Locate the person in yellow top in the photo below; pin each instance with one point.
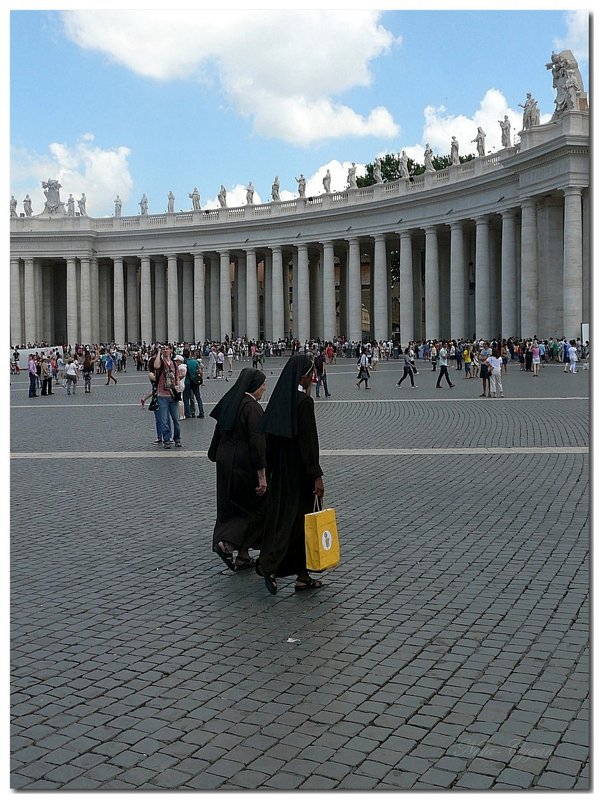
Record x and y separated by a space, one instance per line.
467 360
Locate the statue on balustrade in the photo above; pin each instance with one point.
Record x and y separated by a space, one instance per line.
143 205
250 194
222 197
27 206
377 171
327 182
195 195
53 203
301 181
566 80
118 206
454 151
81 203
428 159
531 112
170 203
352 177
71 206
403 165
505 128
480 142
275 190
13 206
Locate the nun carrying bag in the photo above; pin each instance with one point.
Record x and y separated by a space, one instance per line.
321 539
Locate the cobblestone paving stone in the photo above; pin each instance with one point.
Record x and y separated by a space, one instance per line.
449 650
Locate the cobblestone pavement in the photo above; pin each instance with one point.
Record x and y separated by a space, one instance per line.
448 650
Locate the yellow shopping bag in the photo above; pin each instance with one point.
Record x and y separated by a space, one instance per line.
321 539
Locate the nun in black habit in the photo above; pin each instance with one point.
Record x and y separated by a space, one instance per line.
293 474
239 450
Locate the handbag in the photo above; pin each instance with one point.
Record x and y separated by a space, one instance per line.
321 539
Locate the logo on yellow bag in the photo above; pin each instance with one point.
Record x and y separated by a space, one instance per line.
326 540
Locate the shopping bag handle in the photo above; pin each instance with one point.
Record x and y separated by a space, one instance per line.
318 505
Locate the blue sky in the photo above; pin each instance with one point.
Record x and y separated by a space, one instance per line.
136 102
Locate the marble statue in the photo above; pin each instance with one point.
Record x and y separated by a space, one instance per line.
531 112
275 190
403 165
53 203
170 203
352 177
13 206
195 195
377 171
454 151
428 159
301 181
71 206
27 206
505 128
118 206
250 194
222 197
566 80
480 142
143 205
81 203
327 182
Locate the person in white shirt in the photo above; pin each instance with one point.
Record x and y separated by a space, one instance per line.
494 365
443 362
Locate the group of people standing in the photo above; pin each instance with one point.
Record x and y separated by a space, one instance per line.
268 473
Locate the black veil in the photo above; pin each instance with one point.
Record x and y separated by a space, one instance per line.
280 417
226 410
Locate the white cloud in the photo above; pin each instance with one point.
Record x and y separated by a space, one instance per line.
282 69
577 37
82 167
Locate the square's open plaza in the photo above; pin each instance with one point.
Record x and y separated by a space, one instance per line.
449 649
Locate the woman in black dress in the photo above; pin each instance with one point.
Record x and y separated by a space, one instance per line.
294 475
238 448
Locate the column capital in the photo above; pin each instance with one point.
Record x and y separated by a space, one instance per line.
572 190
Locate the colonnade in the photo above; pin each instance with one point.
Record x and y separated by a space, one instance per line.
518 271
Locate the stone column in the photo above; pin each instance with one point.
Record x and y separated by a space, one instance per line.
342 329
406 290
172 299
29 302
432 285
303 311
242 290
458 304
380 290
482 279
146 300
277 293
199 298
72 303
95 293
16 317
187 280
529 269
160 300
573 263
39 293
252 322
268 296
215 302
328 292
48 303
225 294
295 294
509 274
86 302
133 312
105 306
285 293
118 300
354 291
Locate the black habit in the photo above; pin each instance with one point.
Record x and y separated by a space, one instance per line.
292 467
239 454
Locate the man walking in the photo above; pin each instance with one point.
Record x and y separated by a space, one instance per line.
443 364
321 372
